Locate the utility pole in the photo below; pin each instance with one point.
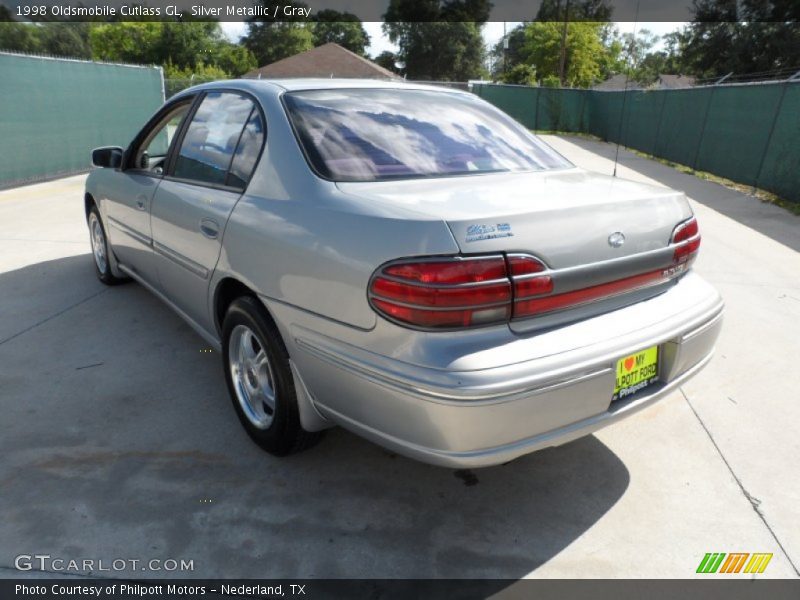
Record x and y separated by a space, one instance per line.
505 47
562 64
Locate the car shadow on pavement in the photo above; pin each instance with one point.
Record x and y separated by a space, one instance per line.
118 441
770 220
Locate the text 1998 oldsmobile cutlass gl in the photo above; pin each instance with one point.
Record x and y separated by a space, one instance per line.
406 262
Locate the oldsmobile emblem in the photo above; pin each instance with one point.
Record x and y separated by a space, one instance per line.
616 239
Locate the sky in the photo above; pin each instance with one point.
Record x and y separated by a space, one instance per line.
492 32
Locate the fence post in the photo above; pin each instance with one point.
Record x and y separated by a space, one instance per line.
660 120
536 112
584 93
703 128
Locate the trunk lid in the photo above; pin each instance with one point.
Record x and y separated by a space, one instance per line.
587 228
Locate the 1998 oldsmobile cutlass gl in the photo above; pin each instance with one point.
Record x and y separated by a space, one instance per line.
404 261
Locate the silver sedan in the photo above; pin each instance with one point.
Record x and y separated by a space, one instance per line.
404 261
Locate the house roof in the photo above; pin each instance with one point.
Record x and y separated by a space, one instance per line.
328 60
617 82
672 82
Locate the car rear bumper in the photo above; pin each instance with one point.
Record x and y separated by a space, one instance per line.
483 417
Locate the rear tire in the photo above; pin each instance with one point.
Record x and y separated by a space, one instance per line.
100 249
260 381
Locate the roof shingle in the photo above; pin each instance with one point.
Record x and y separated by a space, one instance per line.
328 60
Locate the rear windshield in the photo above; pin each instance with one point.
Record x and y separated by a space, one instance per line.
377 134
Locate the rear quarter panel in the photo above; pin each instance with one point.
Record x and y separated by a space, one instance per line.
297 239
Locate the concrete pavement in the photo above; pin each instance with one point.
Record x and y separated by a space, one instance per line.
117 439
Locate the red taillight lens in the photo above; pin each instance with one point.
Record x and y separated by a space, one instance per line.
450 271
457 292
687 238
534 306
527 283
519 265
440 296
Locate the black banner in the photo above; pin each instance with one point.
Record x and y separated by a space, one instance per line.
376 10
80 588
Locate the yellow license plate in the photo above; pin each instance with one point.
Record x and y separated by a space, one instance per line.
636 372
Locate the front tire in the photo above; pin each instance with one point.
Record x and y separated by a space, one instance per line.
260 381
100 249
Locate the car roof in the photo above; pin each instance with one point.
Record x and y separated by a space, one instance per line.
277 86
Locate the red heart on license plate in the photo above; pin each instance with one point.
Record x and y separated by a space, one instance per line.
628 363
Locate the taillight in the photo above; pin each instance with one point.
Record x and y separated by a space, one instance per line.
444 293
463 292
687 239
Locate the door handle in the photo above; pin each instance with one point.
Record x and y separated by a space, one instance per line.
209 228
141 202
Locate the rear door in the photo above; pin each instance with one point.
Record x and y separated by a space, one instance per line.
208 173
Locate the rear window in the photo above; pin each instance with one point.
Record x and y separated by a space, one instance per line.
378 134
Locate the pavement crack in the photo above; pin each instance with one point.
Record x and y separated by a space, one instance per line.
51 317
755 503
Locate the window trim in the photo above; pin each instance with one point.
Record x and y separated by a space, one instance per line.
172 158
133 147
315 171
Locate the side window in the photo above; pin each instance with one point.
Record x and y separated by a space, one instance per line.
211 139
244 160
152 152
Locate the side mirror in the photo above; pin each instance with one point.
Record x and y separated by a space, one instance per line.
107 156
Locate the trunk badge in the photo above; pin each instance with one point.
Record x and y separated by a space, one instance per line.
484 231
616 239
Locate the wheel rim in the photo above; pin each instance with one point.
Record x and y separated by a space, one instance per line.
252 376
98 243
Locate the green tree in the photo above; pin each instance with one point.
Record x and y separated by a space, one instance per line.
69 39
442 51
127 41
19 37
388 60
438 40
199 73
342 28
586 55
636 47
234 59
182 47
520 74
574 10
515 54
273 41
188 43
751 36
611 61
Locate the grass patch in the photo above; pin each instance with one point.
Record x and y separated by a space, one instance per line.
760 194
578 134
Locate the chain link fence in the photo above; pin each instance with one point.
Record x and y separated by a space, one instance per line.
173 86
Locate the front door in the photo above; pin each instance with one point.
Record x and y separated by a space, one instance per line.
131 193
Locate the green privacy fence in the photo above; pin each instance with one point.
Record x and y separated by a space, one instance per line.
746 133
54 111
